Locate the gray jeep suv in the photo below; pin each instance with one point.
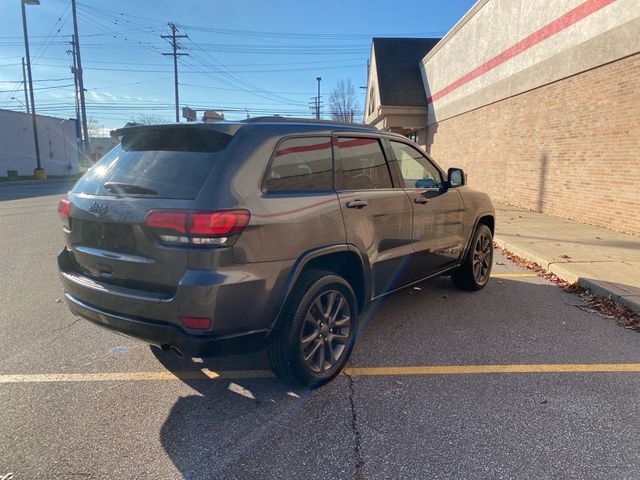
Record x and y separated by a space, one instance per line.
227 237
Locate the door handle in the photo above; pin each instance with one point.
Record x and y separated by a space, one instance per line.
420 199
356 204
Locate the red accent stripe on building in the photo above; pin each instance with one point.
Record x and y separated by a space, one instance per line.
355 142
304 148
352 142
572 16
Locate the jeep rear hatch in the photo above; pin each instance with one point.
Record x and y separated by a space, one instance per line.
110 213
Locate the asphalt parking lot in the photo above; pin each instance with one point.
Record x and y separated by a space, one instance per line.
514 381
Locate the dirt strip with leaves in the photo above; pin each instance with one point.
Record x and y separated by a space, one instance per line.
604 307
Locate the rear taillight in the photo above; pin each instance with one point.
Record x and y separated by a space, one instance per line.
63 211
197 228
196 323
63 208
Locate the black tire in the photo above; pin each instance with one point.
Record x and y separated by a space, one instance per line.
474 273
290 342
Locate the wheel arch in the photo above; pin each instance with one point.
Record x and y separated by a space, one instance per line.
485 218
488 220
345 260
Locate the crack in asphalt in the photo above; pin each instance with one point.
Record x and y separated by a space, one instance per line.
357 443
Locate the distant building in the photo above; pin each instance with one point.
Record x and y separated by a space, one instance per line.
537 101
210 116
59 153
98 146
396 98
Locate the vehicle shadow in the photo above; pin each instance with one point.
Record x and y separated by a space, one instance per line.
212 428
213 432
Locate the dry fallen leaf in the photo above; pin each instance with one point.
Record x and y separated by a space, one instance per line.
235 388
601 306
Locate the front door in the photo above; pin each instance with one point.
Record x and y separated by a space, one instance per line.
438 212
377 216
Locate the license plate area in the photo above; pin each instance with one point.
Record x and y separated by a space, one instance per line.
117 237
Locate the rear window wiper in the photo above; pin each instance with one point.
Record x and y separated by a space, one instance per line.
119 187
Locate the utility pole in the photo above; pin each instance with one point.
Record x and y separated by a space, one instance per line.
175 55
83 110
318 97
315 103
33 105
74 70
24 83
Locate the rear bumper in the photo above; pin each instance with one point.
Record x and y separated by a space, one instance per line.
242 303
163 335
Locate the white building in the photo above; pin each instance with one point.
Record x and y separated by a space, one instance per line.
59 152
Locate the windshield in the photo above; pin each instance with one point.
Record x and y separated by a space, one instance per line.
167 163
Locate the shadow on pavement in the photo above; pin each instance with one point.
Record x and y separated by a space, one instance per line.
207 433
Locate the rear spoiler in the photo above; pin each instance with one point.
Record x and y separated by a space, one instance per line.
230 128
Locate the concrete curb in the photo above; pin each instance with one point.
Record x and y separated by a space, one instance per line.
37 182
563 271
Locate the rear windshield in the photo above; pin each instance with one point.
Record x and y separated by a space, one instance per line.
164 163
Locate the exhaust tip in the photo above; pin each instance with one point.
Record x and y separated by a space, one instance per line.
176 351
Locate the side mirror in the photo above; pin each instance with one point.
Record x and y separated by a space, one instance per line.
456 177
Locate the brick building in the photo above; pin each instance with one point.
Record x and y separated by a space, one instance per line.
538 100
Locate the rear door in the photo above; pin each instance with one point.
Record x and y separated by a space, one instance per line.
151 169
377 216
438 213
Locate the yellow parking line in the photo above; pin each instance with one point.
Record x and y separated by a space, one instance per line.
478 369
507 275
206 374
133 376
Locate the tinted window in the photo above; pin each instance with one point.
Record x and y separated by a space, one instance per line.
301 164
417 171
363 164
174 163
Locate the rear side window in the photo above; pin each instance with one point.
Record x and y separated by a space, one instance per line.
363 164
164 162
301 164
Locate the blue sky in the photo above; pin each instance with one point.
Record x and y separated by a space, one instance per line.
260 57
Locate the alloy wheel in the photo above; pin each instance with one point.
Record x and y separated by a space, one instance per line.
326 331
482 258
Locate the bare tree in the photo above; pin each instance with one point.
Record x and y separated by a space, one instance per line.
95 128
343 102
149 119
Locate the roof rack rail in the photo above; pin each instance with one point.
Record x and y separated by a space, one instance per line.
305 120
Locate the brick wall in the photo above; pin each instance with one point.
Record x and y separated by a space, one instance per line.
570 148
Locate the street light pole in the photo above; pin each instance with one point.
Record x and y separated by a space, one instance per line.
318 98
33 105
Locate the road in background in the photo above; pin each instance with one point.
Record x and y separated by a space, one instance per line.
583 424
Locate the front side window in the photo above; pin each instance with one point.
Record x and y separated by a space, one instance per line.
301 164
417 171
363 164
